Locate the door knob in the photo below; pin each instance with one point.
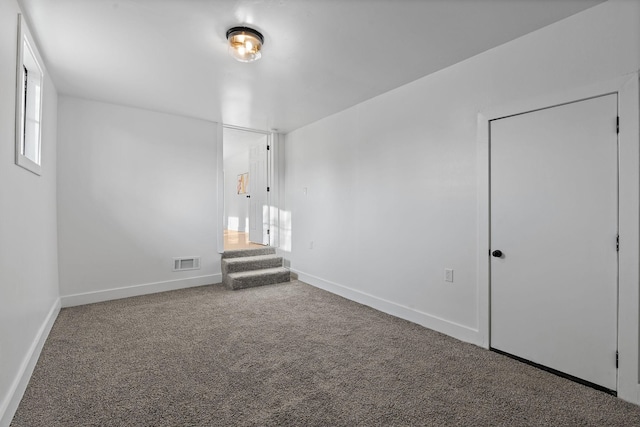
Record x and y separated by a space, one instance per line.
248 197
497 253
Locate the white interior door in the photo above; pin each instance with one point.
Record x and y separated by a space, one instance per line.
554 217
258 203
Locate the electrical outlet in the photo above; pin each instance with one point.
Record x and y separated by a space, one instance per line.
448 275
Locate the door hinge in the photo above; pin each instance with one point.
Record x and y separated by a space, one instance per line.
618 124
617 357
618 243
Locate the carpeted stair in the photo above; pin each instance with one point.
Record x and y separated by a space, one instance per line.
248 268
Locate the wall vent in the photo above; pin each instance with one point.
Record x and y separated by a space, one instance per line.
188 263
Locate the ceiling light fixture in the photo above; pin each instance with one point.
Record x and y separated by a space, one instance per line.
245 43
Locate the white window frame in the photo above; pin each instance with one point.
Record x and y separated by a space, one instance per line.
27 51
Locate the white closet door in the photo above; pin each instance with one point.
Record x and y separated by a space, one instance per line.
554 217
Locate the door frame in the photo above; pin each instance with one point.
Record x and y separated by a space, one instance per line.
274 182
627 88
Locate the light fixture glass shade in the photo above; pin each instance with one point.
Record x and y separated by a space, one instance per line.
245 43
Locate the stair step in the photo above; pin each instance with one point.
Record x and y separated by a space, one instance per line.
259 262
267 250
250 279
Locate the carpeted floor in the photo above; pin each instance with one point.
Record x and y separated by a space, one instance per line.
285 355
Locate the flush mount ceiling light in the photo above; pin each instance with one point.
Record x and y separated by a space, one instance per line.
245 43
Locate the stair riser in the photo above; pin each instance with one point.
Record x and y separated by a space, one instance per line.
248 252
250 282
250 265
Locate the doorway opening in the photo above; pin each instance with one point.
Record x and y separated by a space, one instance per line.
246 188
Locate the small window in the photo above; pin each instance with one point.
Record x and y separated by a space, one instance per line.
30 78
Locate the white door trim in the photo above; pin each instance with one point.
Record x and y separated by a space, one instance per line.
627 88
220 188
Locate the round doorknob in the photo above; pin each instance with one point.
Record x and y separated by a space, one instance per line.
497 253
248 197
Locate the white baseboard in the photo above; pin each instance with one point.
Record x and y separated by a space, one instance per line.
461 332
137 290
9 407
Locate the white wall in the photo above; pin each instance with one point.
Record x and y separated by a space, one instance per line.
28 247
236 206
135 189
392 183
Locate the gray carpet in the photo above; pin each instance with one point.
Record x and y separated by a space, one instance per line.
285 355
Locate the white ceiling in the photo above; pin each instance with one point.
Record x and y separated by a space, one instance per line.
237 141
319 56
